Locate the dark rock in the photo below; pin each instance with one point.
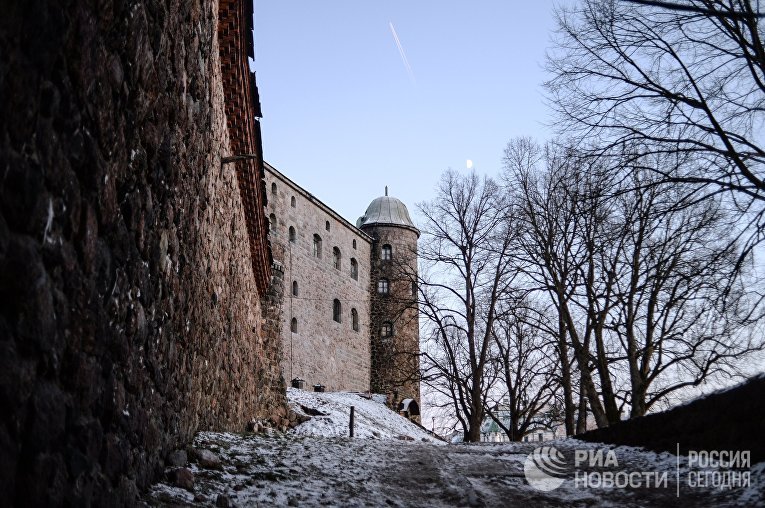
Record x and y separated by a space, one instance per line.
182 477
207 459
177 458
311 411
222 501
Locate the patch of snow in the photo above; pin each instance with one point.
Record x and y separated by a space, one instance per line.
373 420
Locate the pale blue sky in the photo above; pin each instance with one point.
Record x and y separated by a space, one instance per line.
343 117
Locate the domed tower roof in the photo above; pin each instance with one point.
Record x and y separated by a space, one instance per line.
387 211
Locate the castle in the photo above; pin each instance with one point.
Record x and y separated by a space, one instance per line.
138 299
349 313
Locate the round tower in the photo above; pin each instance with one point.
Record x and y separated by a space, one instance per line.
394 321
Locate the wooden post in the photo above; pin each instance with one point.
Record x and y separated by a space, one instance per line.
353 410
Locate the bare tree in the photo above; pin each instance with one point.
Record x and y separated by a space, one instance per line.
527 372
561 244
676 320
640 284
465 272
678 78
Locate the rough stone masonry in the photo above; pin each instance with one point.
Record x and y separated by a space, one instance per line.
132 261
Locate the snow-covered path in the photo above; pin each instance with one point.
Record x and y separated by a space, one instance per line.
393 462
293 470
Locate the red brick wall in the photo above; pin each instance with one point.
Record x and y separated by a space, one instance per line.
242 110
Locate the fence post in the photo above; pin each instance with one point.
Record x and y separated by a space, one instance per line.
353 410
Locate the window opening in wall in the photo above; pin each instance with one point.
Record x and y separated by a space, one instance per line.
272 224
354 320
414 288
293 202
354 244
354 269
292 234
383 286
336 310
294 288
336 257
386 330
293 325
273 188
326 225
387 253
316 246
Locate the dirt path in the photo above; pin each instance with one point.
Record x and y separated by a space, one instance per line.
301 471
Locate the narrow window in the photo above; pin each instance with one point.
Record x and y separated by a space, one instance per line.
383 286
316 246
386 330
293 325
273 188
336 257
294 288
272 223
354 269
354 244
326 225
414 288
293 202
387 253
292 234
355 320
336 310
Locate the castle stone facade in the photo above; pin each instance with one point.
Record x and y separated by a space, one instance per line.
137 298
350 320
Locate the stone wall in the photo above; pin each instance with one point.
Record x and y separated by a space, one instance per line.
129 308
730 420
322 351
395 360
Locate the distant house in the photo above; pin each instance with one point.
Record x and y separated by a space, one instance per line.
492 432
540 434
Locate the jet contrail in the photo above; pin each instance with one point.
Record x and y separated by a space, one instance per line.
401 52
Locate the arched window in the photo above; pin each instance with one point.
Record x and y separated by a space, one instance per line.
354 320
336 257
386 330
292 234
273 188
354 269
354 244
316 246
337 310
326 225
293 202
386 253
383 286
293 325
294 288
272 223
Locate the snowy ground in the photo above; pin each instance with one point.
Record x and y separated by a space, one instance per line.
372 419
310 467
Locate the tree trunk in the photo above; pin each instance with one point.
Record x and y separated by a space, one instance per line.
569 409
581 420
